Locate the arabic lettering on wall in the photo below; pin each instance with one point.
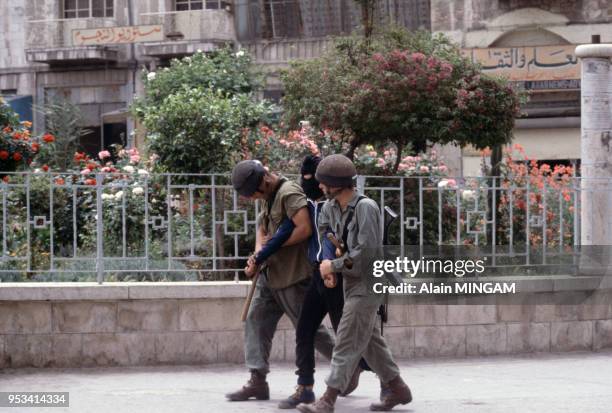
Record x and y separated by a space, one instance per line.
117 35
529 63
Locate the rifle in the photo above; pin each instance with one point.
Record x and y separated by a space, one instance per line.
340 249
383 309
249 298
247 302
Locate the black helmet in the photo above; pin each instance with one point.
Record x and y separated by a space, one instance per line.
336 171
247 176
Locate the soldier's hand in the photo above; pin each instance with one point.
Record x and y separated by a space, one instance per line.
251 260
329 280
326 267
250 270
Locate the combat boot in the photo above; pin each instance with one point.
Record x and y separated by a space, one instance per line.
324 405
398 393
303 394
256 387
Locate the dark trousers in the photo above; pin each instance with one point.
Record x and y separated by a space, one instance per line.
318 302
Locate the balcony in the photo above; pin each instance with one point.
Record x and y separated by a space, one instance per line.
52 41
187 31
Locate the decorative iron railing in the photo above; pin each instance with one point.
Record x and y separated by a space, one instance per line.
140 226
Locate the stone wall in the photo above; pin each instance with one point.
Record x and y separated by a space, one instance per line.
126 324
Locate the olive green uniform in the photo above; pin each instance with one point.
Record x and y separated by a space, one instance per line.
281 289
358 334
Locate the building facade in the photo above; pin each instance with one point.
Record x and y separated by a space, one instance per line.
531 42
91 52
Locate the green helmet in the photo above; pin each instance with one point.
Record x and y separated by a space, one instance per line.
336 171
247 176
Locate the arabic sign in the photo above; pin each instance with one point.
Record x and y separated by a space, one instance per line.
529 62
116 35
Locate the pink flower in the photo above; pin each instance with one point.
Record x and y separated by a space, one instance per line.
418 57
104 154
424 168
135 158
86 171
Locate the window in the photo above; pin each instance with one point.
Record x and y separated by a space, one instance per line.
183 5
75 9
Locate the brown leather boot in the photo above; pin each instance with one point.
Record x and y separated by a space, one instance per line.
398 393
353 383
324 405
256 387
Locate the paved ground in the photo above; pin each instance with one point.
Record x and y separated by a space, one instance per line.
577 383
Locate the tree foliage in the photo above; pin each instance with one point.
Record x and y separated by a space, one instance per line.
408 88
62 120
196 110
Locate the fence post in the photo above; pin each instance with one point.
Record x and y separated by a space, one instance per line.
99 230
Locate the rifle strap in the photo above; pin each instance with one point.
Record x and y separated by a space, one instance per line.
349 219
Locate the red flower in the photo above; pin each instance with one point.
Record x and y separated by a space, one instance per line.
48 138
90 181
45 167
4 155
17 135
17 156
6 179
35 147
91 166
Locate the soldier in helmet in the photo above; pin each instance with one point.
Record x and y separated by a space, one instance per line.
355 219
319 300
281 288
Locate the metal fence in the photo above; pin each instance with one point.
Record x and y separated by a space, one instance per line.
141 226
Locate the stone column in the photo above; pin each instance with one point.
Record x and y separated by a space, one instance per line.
596 144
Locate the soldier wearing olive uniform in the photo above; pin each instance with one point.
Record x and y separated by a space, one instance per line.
282 287
358 332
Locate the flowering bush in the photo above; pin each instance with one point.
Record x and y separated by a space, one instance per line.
17 147
372 162
284 151
409 89
544 192
195 111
